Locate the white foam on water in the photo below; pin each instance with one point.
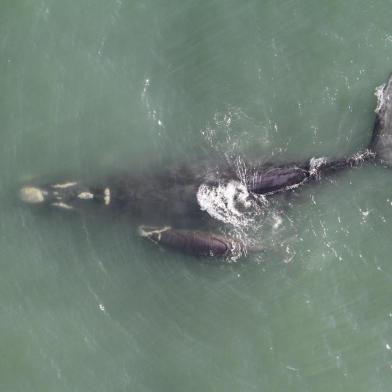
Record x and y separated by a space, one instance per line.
315 164
223 201
362 156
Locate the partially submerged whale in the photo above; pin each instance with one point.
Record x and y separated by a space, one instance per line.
177 207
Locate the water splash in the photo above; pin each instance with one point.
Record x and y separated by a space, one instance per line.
315 164
228 203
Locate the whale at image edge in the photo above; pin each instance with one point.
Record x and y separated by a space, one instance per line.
178 207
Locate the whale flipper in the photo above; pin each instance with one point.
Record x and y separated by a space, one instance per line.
381 142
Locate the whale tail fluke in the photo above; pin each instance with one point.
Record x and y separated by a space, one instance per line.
381 142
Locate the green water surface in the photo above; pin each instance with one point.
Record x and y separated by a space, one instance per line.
94 86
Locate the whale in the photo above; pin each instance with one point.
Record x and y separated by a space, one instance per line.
177 207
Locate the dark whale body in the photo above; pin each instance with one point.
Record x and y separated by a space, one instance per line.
174 202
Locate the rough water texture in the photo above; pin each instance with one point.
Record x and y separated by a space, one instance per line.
94 87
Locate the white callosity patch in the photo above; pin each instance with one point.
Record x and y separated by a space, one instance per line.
148 232
65 185
222 202
106 196
85 196
31 194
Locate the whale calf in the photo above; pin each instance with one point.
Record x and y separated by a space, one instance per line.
176 207
193 242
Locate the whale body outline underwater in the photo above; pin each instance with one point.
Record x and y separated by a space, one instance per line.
209 193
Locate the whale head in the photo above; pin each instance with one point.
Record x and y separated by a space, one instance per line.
65 195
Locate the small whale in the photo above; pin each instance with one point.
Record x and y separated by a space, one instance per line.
175 207
192 242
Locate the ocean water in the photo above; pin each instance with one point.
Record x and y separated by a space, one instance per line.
94 87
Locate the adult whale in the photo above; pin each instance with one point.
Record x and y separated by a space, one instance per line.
179 204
